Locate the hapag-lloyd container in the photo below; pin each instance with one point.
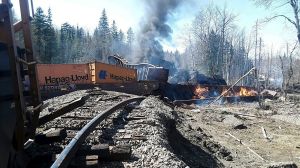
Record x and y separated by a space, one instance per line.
63 76
106 73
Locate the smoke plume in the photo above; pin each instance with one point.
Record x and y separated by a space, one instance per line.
154 28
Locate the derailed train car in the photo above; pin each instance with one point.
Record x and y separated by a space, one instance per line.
56 79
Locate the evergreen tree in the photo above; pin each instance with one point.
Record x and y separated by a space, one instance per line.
50 39
69 44
130 37
121 36
114 31
39 26
115 45
67 36
129 42
44 36
103 37
79 44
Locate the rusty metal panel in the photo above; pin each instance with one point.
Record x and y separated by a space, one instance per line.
157 74
137 88
106 73
34 89
7 114
92 68
16 108
62 76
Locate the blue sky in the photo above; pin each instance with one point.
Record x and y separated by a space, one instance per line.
128 13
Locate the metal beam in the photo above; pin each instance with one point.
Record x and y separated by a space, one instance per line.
66 155
34 86
7 36
18 26
3 11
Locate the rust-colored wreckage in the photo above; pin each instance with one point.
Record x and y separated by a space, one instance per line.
141 79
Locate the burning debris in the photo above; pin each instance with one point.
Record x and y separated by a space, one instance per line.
200 92
239 91
247 92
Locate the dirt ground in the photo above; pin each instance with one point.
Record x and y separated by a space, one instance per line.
192 136
242 134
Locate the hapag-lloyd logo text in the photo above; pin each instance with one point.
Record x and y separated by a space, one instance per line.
104 74
67 79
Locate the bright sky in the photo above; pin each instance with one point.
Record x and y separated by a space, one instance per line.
128 13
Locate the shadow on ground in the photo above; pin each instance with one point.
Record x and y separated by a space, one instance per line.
190 154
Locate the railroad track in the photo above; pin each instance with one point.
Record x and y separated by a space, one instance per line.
80 125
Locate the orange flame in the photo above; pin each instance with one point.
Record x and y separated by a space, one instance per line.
244 91
247 92
200 92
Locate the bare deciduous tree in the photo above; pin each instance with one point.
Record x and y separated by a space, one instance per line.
294 6
287 70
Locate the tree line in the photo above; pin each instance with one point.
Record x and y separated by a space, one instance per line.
73 44
214 46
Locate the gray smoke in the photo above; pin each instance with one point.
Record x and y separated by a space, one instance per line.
154 28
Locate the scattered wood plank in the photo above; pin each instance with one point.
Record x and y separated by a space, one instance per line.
242 143
248 115
121 131
132 137
109 98
256 154
53 135
135 118
282 165
264 132
104 152
120 153
78 117
101 150
63 110
267 92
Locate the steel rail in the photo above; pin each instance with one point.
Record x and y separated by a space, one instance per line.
67 154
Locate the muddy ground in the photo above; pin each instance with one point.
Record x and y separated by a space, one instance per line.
247 134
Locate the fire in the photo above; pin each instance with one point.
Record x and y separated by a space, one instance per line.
201 92
247 92
226 93
242 91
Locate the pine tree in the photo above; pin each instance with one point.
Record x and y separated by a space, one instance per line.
39 25
115 45
130 37
103 37
67 36
114 31
129 42
79 44
50 39
121 37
